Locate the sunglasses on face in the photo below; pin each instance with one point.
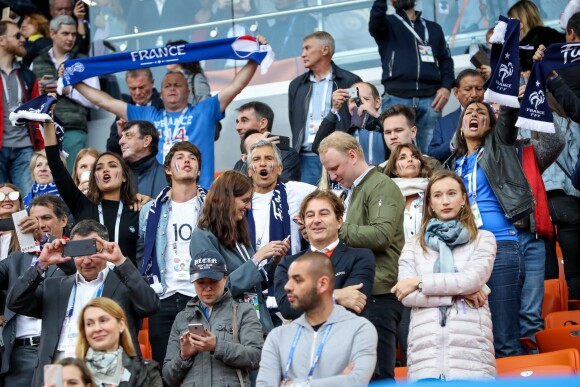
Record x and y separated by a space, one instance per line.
14 195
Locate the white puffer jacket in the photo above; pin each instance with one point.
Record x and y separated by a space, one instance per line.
463 349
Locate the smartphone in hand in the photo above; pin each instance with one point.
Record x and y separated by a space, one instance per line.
53 375
197 329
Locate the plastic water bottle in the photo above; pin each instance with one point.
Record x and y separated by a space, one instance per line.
473 46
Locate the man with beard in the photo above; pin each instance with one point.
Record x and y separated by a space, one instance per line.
345 353
417 64
18 86
274 204
72 107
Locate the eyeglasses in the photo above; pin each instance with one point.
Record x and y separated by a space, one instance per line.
14 195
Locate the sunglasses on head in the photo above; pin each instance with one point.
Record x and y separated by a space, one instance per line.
14 195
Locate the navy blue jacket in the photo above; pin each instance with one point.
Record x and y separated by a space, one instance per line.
442 134
352 266
404 74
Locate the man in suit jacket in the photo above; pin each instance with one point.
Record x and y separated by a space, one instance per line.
21 334
321 218
468 86
58 301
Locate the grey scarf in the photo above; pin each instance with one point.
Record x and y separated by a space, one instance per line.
106 367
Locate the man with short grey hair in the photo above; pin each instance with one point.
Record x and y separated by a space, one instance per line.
72 108
78 10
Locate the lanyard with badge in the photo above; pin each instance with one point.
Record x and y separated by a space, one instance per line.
117 221
314 124
425 50
11 108
68 345
181 261
472 187
250 298
316 356
169 135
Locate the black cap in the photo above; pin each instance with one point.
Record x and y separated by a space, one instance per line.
208 264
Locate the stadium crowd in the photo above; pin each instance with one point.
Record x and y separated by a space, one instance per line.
381 234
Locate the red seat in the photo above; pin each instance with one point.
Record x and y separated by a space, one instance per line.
564 362
559 319
144 340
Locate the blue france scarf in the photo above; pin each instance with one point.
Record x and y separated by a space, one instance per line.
38 110
40 189
150 266
503 84
535 113
279 216
242 47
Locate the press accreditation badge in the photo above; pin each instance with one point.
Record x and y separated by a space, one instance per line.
426 53
181 264
252 299
69 344
313 129
476 215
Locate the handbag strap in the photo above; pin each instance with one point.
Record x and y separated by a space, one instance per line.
236 338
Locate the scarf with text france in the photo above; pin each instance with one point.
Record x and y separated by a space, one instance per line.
535 113
242 47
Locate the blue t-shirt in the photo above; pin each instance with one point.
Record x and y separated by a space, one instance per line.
197 126
492 215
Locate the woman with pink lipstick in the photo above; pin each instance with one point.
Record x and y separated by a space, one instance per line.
223 227
110 197
105 344
499 194
442 276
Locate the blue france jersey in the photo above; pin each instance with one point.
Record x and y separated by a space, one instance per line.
197 126
493 216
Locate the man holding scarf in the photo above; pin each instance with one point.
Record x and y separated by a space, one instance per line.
165 226
178 121
274 205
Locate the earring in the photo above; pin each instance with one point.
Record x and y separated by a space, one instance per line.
461 134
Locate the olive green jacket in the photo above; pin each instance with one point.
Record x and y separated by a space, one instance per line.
375 220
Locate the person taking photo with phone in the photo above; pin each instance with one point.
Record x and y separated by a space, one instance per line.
102 270
215 340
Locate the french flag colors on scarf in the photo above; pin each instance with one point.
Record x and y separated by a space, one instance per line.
535 113
243 47
503 84
38 110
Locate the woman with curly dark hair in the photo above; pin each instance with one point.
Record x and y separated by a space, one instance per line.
223 227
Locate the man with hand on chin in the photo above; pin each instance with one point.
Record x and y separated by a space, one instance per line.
215 340
107 273
343 346
321 213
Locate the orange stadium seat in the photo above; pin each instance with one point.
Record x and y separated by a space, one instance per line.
562 363
560 319
555 339
400 374
144 340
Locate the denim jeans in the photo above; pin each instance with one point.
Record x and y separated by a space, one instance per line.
534 253
385 313
311 169
506 283
425 116
14 167
565 214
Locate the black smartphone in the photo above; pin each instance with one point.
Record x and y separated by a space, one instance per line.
7 224
79 248
284 143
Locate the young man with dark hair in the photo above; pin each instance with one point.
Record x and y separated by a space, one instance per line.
165 227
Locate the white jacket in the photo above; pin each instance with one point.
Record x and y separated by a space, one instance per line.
463 349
